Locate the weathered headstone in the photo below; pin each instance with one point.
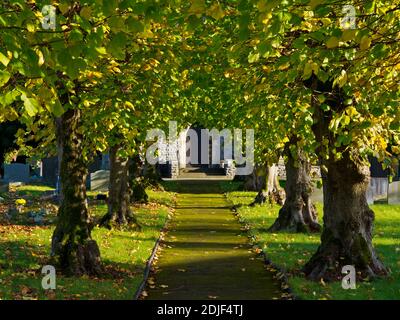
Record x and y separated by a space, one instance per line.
100 180
378 190
16 172
394 193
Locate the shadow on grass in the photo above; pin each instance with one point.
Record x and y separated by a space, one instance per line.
200 277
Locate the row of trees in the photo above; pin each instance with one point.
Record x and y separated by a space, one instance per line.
313 89
97 81
332 95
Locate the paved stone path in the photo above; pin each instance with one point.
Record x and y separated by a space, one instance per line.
205 253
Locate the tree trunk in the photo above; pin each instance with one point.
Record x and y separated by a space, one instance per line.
138 181
298 214
348 220
270 190
119 212
72 246
348 223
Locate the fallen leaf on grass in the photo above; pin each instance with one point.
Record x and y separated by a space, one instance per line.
25 290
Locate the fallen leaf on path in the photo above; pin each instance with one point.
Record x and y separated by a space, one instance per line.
144 294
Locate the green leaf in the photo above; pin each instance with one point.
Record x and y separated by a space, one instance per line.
134 25
117 46
9 97
56 108
109 6
4 60
31 105
4 77
253 57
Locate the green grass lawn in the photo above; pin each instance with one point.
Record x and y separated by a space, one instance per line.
291 251
24 250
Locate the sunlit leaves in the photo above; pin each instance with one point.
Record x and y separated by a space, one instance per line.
4 77
31 105
4 60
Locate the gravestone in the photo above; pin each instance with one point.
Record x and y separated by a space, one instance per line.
378 190
95 165
317 195
50 171
105 162
100 180
394 193
16 172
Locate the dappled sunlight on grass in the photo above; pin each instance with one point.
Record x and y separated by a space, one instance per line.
24 250
291 251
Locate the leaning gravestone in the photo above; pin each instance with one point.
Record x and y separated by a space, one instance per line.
100 180
394 193
16 172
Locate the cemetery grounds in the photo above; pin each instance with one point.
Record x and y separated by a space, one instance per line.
25 247
290 251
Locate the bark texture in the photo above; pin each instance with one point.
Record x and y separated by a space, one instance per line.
267 185
298 214
138 181
348 220
72 246
119 212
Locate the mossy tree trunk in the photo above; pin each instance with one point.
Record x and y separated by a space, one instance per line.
119 212
298 214
73 249
348 221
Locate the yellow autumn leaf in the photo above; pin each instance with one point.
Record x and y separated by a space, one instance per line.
40 56
365 43
197 7
342 79
86 12
216 11
348 35
333 42
64 7
396 150
351 111
315 3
